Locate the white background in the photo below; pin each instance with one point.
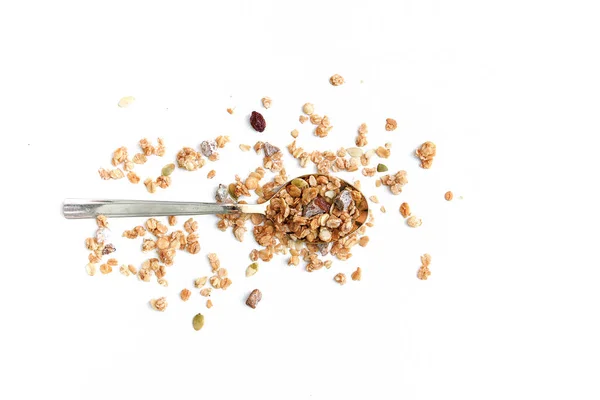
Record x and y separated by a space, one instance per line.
508 91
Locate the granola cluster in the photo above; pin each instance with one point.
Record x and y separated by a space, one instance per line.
120 159
426 153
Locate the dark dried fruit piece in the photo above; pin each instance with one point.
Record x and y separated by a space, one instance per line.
254 298
269 149
208 147
109 248
258 121
342 202
318 206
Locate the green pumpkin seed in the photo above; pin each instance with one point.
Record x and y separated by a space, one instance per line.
231 191
381 168
198 322
168 169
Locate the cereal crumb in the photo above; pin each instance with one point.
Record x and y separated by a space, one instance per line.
448 196
362 242
185 294
230 110
294 133
414 222
172 220
336 80
424 271
426 153
382 209
253 299
211 174
209 303
159 304
302 119
405 210
245 147
390 124
199 282
356 275
340 278
266 101
90 269
374 199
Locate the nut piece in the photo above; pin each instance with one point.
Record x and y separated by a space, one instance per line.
356 275
390 124
253 299
340 278
448 196
159 304
405 210
336 80
185 294
414 222
308 108
126 101
266 101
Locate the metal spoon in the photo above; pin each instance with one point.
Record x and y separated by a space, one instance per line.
90 208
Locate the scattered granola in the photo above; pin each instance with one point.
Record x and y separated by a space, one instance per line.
382 209
90 268
199 282
211 174
374 199
159 304
294 133
190 159
336 80
308 108
253 299
361 139
405 210
414 222
302 119
213 259
185 294
209 303
362 242
356 275
266 101
230 110
340 278
424 271
172 220
426 153
390 124
395 182
448 196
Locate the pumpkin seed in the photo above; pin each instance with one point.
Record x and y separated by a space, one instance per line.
252 269
168 169
381 168
231 191
198 322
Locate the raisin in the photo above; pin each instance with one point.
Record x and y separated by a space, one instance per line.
258 121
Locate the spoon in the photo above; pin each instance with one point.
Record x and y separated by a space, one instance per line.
91 208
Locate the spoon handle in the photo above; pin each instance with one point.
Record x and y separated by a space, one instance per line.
89 208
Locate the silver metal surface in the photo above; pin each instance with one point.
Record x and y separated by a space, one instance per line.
90 208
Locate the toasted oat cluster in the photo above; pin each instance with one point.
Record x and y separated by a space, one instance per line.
395 182
426 153
317 209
